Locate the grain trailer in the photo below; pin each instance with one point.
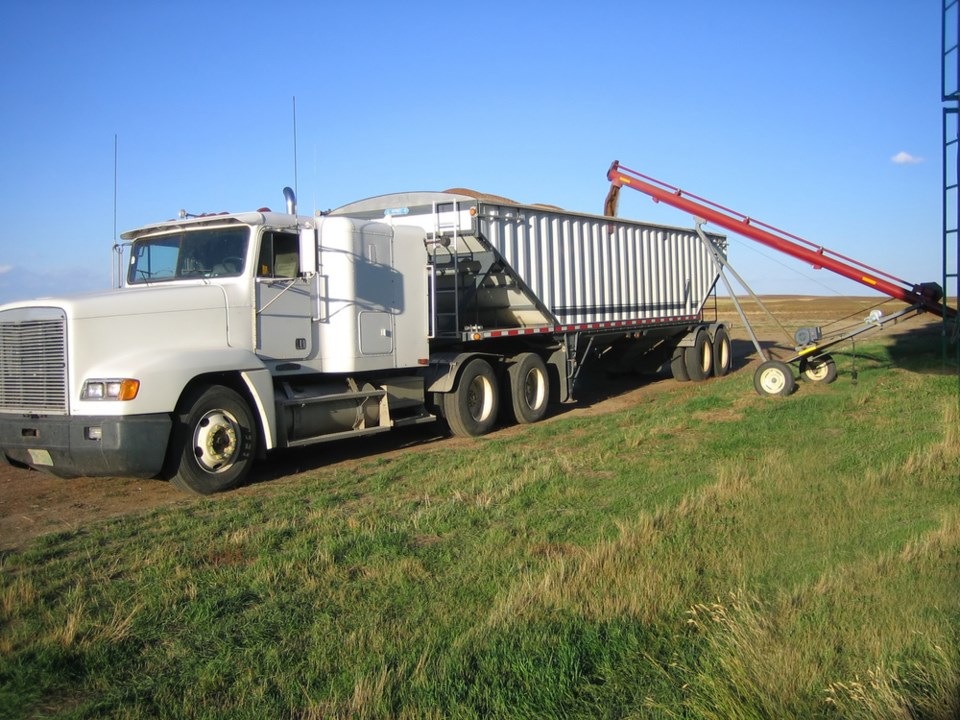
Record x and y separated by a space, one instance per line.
233 335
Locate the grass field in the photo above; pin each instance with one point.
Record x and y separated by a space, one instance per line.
705 554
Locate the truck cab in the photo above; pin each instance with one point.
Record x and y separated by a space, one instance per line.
231 335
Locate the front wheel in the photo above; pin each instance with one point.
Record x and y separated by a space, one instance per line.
213 442
820 369
471 409
774 377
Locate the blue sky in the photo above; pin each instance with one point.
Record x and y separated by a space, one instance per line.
792 113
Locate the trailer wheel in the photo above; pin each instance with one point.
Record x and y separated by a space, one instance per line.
820 369
213 441
774 377
529 388
722 353
699 357
471 409
678 365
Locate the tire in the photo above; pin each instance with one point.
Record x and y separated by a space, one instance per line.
213 442
678 365
774 378
699 357
722 353
529 388
819 369
471 408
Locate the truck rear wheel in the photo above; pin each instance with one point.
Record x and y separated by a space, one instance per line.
722 353
529 388
678 365
699 357
213 441
471 409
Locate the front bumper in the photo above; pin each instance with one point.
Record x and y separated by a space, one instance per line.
132 446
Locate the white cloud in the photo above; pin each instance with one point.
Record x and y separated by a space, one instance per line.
5 269
905 158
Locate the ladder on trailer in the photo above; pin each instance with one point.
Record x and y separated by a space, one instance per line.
444 279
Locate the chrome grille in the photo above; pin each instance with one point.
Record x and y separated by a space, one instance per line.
33 361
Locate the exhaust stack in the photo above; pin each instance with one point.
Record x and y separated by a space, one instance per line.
291 199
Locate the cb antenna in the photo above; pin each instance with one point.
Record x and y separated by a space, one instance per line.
117 264
296 179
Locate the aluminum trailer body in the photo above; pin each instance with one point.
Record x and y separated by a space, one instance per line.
237 334
531 266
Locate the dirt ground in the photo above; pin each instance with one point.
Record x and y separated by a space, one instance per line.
33 503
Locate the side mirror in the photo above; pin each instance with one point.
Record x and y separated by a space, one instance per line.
308 251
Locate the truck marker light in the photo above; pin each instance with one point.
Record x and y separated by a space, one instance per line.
128 389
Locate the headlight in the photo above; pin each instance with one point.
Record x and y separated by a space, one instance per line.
110 389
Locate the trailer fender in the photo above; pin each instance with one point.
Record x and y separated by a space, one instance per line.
441 377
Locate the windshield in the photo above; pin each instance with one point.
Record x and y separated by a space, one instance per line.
218 252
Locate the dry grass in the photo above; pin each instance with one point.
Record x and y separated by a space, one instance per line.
942 458
777 656
637 574
67 631
887 692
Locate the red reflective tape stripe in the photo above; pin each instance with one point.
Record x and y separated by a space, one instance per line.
636 322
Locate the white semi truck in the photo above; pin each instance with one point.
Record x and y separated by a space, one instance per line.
233 335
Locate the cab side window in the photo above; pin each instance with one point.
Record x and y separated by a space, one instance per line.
279 255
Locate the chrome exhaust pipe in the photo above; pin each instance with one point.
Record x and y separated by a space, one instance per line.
291 199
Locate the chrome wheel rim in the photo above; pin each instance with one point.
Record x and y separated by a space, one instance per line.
480 398
533 389
216 441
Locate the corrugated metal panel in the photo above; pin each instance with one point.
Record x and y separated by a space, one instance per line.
581 268
585 268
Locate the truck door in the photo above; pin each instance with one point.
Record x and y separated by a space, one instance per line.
283 307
